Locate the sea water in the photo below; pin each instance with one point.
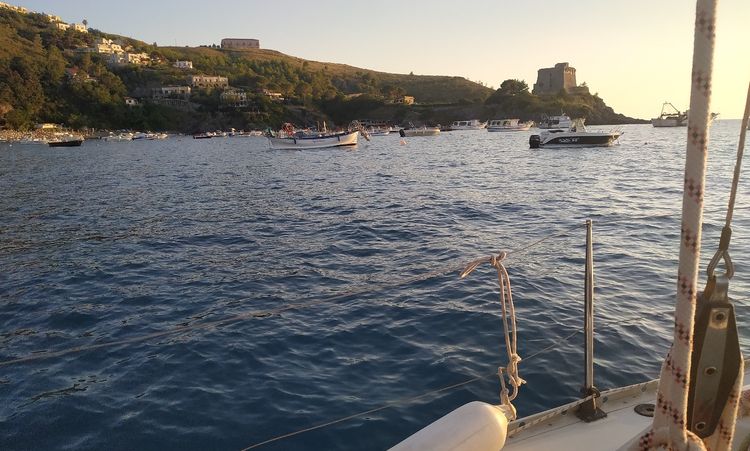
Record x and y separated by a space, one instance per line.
342 266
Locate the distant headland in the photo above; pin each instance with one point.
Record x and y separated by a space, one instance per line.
81 77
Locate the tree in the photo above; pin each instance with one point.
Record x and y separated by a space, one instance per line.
512 87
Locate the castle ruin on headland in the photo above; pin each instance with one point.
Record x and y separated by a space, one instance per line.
551 80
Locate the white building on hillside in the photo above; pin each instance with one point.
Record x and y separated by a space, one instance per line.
104 45
62 26
209 81
18 9
139 59
80 27
171 91
183 64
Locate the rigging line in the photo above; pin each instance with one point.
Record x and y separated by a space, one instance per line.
738 164
377 409
261 313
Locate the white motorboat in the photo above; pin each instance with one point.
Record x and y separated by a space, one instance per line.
31 140
314 141
670 117
576 136
419 131
119 137
561 121
473 124
508 125
372 131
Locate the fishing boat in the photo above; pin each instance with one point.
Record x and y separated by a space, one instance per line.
508 125
561 121
576 136
698 403
300 140
670 116
419 131
473 124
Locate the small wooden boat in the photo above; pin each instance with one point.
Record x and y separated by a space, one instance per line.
314 141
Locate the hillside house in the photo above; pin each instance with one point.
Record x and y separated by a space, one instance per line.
171 92
120 59
208 81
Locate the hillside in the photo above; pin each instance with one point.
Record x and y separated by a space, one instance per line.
70 77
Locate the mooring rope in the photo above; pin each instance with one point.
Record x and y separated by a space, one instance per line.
258 314
510 331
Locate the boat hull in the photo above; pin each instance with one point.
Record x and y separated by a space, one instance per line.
517 128
669 122
410 132
573 140
314 142
69 143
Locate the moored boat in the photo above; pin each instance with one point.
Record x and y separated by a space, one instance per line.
670 117
473 124
576 136
125 136
66 141
378 131
419 131
508 125
314 141
561 121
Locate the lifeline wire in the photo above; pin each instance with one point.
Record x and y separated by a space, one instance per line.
263 313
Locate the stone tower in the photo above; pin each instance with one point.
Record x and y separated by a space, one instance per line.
551 80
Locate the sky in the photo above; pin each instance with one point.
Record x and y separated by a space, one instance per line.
635 54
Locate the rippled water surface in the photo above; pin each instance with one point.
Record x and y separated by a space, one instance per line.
323 255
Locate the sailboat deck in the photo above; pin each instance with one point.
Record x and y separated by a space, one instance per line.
561 429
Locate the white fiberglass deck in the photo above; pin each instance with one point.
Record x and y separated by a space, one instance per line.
565 431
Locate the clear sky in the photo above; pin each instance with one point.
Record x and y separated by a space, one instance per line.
636 54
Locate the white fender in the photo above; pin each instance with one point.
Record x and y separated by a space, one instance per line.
476 426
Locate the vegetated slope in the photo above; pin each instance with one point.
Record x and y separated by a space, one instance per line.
46 76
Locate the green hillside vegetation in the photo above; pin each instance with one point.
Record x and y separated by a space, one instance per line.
45 77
